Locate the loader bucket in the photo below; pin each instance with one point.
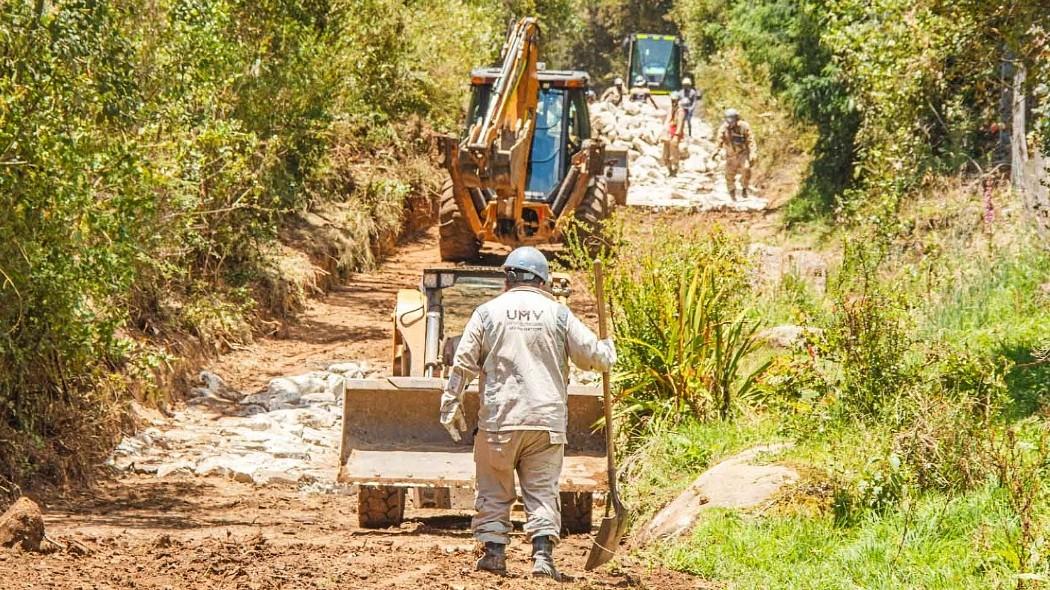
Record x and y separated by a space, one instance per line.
392 437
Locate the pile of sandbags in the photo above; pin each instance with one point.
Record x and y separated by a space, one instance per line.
639 128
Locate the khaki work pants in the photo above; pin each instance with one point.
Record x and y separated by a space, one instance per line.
537 462
738 164
672 154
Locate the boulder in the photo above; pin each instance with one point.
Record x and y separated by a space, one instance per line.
335 385
648 162
22 526
215 387
735 483
787 336
181 466
349 370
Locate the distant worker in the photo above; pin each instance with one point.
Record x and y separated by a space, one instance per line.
591 96
521 343
615 93
737 142
691 97
673 131
640 91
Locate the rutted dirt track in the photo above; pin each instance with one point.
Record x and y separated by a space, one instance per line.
352 322
141 532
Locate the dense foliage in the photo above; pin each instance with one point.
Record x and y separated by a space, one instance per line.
151 151
897 89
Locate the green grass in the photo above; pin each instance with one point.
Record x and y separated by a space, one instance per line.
938 543
670 458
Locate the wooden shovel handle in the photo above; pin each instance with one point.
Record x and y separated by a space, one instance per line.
599 294
603 333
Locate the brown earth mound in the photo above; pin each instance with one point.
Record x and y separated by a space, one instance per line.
22 525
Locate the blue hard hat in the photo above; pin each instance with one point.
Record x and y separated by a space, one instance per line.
528 260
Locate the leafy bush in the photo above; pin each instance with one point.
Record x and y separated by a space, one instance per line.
152 152
897 89
685 334
868 337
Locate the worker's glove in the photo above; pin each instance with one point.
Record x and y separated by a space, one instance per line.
606 353
452 403
453 420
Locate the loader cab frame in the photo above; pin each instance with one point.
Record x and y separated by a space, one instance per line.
658 58
562 124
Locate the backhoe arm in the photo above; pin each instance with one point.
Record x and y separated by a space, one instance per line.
495 153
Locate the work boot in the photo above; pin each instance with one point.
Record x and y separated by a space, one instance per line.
732 194
744 193
543 558
494 560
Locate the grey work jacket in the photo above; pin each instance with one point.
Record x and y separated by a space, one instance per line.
520 343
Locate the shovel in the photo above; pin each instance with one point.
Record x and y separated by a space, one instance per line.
613 526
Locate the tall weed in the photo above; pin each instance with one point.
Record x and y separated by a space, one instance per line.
685 331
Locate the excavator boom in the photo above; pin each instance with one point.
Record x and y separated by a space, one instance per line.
495 153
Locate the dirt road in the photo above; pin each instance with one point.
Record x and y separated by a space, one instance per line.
142 532
353 321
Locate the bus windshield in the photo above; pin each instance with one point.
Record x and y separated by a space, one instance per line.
658 61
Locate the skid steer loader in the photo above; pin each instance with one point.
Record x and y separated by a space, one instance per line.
392 441
527 163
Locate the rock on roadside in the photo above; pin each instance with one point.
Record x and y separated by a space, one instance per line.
734 483
22 526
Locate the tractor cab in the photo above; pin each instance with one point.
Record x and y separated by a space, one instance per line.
562 124
658 59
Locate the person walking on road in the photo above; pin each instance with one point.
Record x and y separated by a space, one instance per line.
673 131
520 343
737 142
615 93
691 97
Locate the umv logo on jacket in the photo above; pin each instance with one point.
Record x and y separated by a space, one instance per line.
524 315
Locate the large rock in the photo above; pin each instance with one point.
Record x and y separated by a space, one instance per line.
773 263
22 526
733 483
787 336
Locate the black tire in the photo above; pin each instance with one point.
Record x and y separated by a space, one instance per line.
455 240
591 213
576 511
380 506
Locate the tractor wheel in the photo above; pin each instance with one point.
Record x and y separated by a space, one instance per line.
380 506
455 240
590 214
576 510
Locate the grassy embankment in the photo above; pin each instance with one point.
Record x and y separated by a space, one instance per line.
917 403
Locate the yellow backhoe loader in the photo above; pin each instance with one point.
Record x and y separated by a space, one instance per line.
527 162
